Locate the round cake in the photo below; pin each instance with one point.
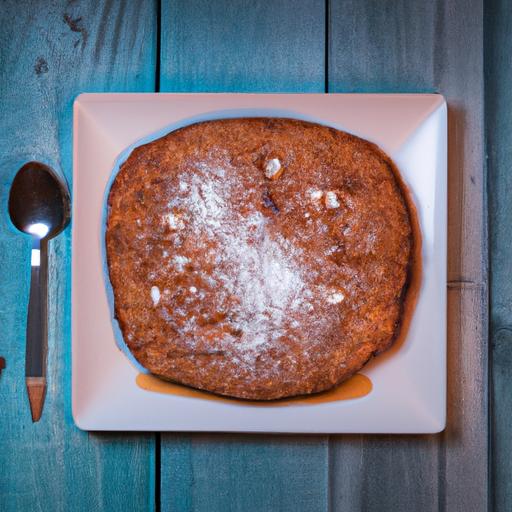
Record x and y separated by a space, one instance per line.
258 258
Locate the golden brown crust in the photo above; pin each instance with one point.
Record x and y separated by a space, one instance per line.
230 272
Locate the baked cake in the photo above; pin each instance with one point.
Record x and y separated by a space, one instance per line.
258 258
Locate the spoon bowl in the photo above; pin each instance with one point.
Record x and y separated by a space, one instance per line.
39 202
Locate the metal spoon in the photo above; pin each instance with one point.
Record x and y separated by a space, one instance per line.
39 205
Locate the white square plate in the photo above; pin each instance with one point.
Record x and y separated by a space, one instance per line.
409 384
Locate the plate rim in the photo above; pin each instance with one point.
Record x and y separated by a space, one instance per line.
438 423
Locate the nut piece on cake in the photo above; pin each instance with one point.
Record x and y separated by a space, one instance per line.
331 200
273 169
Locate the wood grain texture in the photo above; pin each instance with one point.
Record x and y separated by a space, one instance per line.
498 86
463 446
500 420
243 46
384 473
216 472
49 52
423 47
498 72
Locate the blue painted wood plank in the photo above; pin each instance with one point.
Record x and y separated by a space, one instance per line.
498 125
499 149
501 441
243 46
244 473
418 46
50 52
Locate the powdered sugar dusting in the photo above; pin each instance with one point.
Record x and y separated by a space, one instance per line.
174 221
335 297
259 276
180 262
315 195
331 200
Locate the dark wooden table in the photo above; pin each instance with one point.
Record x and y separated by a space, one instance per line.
52 50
